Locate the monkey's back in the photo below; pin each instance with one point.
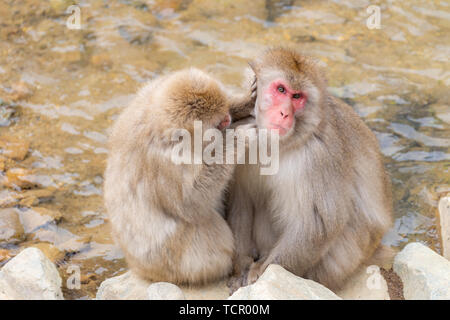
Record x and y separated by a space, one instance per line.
363 141
367 187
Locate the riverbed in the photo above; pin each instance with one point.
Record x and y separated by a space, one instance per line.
62 88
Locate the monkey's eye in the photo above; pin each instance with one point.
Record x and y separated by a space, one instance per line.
297 95
281 89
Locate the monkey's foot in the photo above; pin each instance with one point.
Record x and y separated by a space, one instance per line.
256 270
237 281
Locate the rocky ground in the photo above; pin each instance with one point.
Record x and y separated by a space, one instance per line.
417 273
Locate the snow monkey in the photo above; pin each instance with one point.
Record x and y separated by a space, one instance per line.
324 213
167 217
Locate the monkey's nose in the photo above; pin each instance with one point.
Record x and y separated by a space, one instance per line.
284 115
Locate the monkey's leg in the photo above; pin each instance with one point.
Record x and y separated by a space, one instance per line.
344 256
302 242
347 254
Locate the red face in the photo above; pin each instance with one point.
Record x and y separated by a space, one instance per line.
280 103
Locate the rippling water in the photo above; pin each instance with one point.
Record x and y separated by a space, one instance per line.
63 88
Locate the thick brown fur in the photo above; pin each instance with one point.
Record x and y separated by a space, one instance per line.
324 213
167 217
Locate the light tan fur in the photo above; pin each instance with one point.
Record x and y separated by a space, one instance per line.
326 210
167 217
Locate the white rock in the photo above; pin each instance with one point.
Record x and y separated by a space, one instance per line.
424 273
124 287
366 284
213 291
164 291
444 221
30 276
130 287
276 283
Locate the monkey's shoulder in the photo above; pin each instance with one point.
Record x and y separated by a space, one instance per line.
349 123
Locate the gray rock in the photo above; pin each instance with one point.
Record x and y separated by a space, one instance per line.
276 283
7 112
36 218
130 287
11 230
164 291
30 276
424 273
444 221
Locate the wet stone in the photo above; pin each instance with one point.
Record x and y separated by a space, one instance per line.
13 148
20 91
7 114
31 198
134 35
7 198
11 229
4 255
18 178
101 60
199 9
36 218
60 6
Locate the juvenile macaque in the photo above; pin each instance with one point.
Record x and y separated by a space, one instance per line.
165 216
326 210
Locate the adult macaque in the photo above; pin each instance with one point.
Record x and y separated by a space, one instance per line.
326 210
165 216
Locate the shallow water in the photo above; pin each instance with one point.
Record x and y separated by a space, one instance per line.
65 88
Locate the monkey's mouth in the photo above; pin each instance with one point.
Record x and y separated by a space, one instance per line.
281 130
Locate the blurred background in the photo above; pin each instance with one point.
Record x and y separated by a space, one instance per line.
62 87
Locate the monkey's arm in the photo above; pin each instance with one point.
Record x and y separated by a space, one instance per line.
242 106
212 179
